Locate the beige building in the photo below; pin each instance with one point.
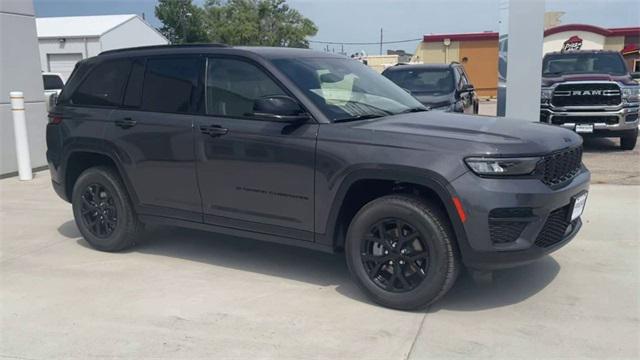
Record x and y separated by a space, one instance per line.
478 52
381 62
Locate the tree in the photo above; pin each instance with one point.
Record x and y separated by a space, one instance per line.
257 22
182 21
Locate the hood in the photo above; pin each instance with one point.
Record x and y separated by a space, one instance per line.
433 101
473 135
622 79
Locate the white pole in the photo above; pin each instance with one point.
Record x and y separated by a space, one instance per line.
20 132
524 59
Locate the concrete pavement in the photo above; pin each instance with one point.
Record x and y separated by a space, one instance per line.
189 294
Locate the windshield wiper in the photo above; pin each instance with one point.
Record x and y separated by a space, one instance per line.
415 109
357 117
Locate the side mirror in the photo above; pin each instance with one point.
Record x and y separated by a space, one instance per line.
279 108
635 75
467 88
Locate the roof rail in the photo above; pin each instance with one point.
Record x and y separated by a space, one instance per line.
152 47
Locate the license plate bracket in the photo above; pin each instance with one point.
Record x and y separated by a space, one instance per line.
578 203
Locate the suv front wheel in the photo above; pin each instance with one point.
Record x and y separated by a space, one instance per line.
401 252
102 210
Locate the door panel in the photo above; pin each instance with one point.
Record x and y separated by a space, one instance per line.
258 176
153 134
254 174
156 151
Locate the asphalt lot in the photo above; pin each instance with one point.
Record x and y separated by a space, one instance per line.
190 294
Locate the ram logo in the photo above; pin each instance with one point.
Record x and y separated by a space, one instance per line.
587 93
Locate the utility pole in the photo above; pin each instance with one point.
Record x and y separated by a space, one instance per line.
380 41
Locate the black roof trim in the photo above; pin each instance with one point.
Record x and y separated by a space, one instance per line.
156 47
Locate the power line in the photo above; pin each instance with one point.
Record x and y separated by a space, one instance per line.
364 43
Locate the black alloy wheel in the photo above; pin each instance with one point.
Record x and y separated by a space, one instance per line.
395 255
103 210
401 251
99 213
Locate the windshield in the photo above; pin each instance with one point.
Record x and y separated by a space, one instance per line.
580 63
345 89
432 81
52 82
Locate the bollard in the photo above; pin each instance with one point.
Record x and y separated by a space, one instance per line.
20 132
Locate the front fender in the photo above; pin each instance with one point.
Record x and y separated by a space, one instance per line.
326 227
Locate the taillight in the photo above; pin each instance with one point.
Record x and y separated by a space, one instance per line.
55 119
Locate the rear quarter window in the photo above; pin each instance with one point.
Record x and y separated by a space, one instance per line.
104 85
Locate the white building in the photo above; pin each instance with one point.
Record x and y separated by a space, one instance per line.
64 41
20 71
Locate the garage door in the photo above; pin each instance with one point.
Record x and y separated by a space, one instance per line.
63 63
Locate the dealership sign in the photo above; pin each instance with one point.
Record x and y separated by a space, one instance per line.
572 44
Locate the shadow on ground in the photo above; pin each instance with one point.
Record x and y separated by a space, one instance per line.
600 145
509 286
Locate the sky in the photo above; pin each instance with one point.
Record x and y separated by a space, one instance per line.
361 20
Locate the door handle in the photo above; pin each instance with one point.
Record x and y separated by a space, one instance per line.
125 123
214 130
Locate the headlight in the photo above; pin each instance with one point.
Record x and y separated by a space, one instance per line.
545 95
502 166
631 94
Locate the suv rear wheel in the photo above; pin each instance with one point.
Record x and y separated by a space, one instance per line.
401 252
628 142
102 210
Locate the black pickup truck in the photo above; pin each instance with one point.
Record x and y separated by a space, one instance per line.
592 93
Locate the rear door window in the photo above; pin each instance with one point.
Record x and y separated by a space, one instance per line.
104 85
171 85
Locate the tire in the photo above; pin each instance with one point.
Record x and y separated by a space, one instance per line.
106 197
629 142
428 278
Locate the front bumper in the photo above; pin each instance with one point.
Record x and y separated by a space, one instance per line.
606 121
535 204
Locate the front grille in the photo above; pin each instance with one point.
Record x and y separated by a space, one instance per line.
587 94
554 228
503 232
559 119
561 166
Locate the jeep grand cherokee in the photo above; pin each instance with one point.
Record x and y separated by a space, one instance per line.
309 149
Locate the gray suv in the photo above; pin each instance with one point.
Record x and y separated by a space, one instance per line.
309 149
